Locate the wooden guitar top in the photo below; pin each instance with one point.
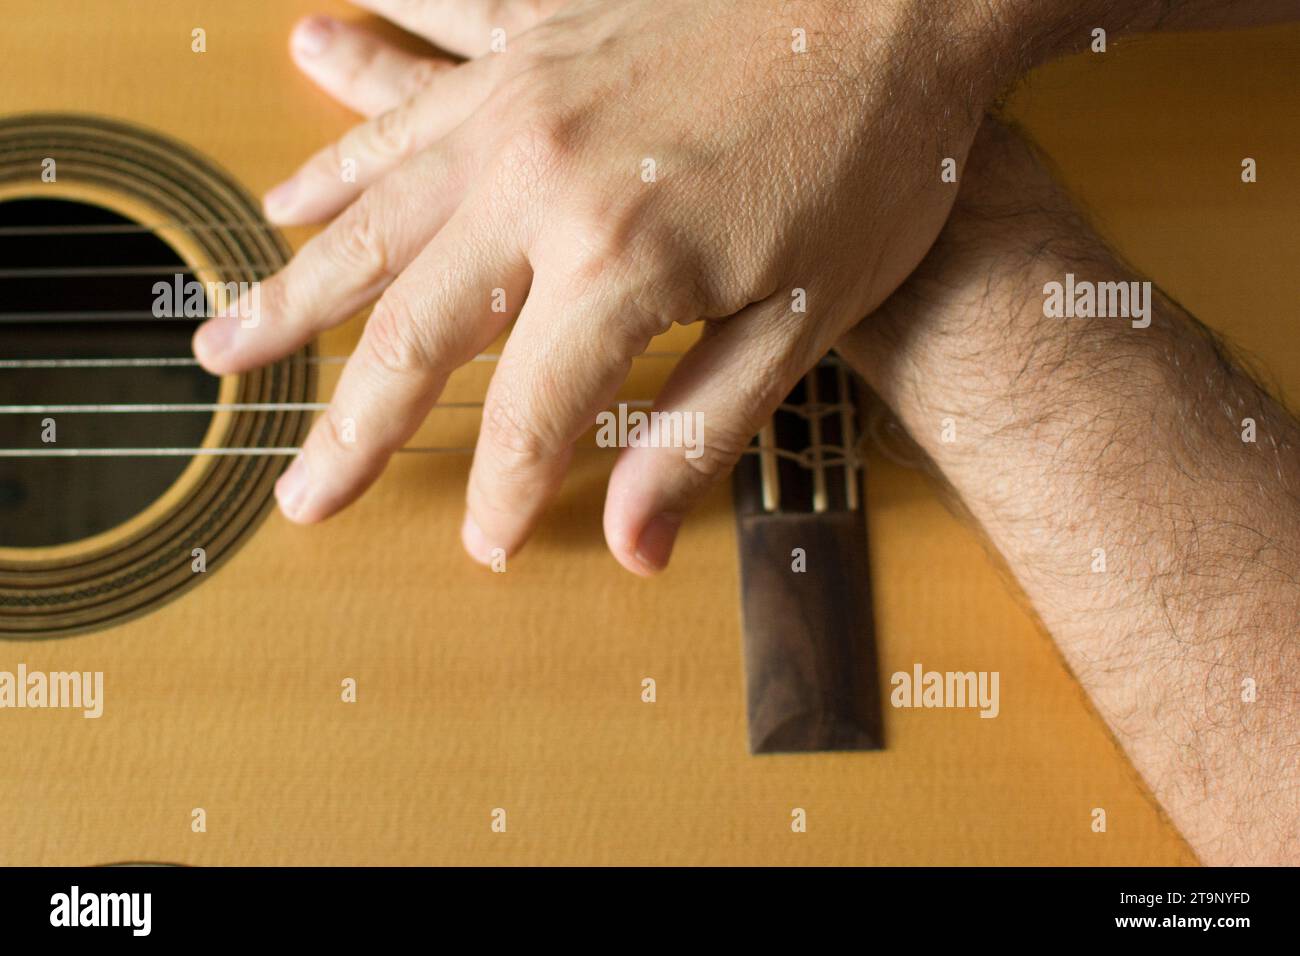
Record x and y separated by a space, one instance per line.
523 691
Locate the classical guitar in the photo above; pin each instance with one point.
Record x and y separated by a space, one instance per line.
360 692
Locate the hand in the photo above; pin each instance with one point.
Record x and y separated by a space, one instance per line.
620 167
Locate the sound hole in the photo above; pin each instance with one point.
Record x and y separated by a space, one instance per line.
45 275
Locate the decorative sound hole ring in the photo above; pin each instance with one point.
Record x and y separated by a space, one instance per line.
217 501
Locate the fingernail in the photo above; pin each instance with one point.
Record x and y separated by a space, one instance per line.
213 338
313 35
655 546
280 199
475 541
291 489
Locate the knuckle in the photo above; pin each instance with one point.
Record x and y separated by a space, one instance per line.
596 249
420 77
537 149
392 337
517 444
606 230
390 133
662 301
360 247
541 145
639 320
719 452
596 242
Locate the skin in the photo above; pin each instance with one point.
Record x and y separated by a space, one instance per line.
1077 434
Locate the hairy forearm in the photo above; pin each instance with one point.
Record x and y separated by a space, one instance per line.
1106 463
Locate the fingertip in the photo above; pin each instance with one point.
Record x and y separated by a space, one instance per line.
475 542
624 551
654 545
278 205
647 552
211 343
620 536
297 517
632 561
311 36
292 490
641 544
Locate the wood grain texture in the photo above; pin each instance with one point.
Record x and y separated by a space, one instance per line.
810 655
522 690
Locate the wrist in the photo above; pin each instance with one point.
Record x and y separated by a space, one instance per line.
968 53
976 299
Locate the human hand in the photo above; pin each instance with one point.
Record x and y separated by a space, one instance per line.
622 167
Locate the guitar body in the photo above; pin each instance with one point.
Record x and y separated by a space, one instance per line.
523 691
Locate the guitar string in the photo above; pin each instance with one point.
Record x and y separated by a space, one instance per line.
811 411
848 457
182 362
174 268
96 315
809 458
843 457
110 229
6 364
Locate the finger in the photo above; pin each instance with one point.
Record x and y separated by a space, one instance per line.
340 172
435 317
340 270
557 370
462 26
724 389
357 68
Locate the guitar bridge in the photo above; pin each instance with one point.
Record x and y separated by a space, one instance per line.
809 637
